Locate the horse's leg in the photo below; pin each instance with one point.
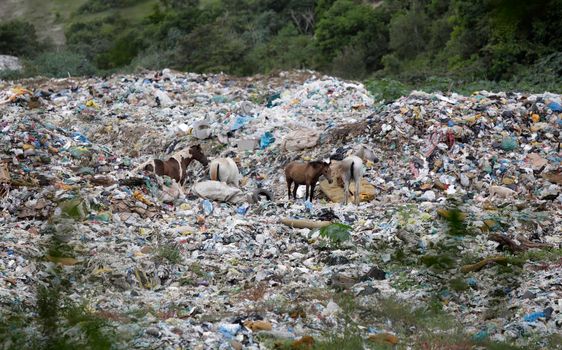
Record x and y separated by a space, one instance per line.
345 189
357 189
312 191
307 188
289 188
295 191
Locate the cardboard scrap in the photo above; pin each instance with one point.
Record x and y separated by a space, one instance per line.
336 194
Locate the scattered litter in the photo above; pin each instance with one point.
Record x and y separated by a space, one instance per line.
208 265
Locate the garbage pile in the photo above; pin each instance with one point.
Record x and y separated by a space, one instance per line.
183 267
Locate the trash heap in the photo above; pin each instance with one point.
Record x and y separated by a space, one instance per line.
460 207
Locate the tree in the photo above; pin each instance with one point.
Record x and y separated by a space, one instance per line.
287 50
351 24
212 48
409 33
19 38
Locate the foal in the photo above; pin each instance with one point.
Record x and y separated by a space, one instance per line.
306 173
351 169
176 166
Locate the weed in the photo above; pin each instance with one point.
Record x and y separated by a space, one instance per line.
349 340
346 302
337 233
60 322
169 252
255 293
439 262
456 222
197 269
547 254
387 89
403 281
458 284
515 262
405 316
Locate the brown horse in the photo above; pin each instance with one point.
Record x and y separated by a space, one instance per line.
306 173
176 166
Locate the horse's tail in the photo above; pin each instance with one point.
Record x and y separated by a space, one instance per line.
215 172
218 173
352 170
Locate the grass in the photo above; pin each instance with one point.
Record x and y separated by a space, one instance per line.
51 16
48 16
134 13
545 255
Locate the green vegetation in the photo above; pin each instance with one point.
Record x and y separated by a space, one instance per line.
337 233
19 38
56 321
423 326
397 45
170 253
536 255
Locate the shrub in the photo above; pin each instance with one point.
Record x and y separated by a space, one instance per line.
60 64
93 6
336 233
387 89
11 74
350 63
169 252
19 38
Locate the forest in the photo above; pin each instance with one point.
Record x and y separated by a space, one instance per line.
400 43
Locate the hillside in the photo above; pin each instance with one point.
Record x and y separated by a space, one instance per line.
50 17
438 44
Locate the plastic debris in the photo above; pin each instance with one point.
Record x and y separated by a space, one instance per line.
207 265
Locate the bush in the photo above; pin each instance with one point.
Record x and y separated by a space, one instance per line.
19 38
349 63
11 74
337 233
213 48
122 52
387 89
408 33
391 63
93 6
153 59
287 50
60 64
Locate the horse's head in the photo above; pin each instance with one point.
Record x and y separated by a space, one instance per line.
197 153
327 171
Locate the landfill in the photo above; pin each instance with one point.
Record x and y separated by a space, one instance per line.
250 269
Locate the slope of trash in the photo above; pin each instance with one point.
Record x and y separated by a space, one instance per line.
171 269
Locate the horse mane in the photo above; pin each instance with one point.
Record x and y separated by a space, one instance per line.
317 163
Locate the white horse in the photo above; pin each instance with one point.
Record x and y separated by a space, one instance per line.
225 170
352 169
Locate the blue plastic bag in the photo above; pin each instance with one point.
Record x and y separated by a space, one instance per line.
534 316
78 137
240 122
242 210
229 330
266 140
555 106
